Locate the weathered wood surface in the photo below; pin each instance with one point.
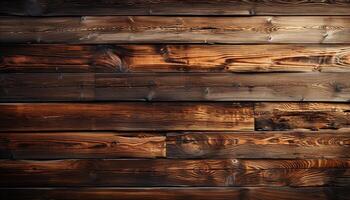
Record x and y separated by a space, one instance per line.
63 145
175 87
293 144
173 173
173 7
166 29
174 58
173 193
126 116
314 116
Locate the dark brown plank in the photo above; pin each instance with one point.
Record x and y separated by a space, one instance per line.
173 173
126 116
174 58
173 193
175 87
314 116
173 7
47 87
156 29
294 144
61 145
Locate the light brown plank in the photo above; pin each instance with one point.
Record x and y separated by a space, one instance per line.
277 145
173 7
62 145
130 116
173 173
314 116
156 29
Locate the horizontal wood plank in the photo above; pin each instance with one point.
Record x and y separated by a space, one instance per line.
293 144
175 193
156 29
172 173
130 116
31 87
313 116
173 7
62 145
174 58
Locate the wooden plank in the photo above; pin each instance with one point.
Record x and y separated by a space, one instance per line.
47 87
173 173
175 193
314 116
62 145
130 116
156 29
173 7
32 87
174 58
277 145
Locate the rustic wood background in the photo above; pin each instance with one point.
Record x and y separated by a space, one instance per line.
174 99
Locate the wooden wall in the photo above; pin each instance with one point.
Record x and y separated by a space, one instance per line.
174 99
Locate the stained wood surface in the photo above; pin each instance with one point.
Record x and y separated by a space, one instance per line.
173 7
62 145
313 116
172 173
174 58
293 144
173 193
174 87
126 116
167 29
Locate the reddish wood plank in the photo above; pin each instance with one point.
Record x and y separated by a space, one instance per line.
130 116
62 145
277 145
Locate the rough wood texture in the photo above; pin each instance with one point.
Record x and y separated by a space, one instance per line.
62 145
197 193
174 58
172 173
314 116
276 145
145 29
173 7
126 116
175 87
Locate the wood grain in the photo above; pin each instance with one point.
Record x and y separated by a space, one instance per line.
33 87
314 116
293 144
169 173
63 145
173 193
173 7
174 58
156 29
129 116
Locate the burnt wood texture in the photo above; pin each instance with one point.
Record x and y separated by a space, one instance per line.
174 99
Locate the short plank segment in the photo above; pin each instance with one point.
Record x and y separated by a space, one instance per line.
164 193
174 58
139 173
277 145
173 7
128 116
313 116
63 145
31 87
160 29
